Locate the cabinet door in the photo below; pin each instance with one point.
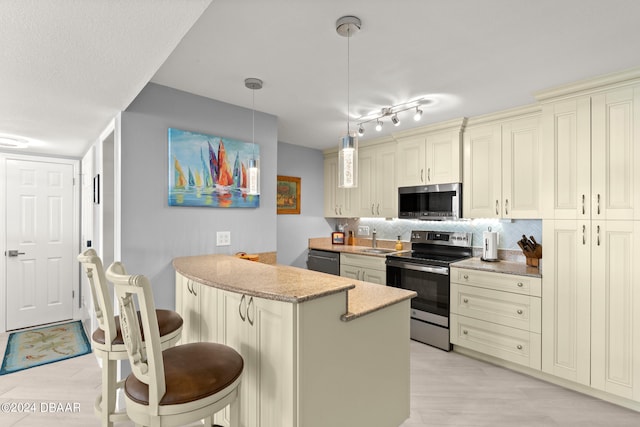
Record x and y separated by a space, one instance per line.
190 310
566 159
411 161
350 271
386 198
335 200
364 194
521 169
615 157
566 304
482 172
374 276
443 158
615 337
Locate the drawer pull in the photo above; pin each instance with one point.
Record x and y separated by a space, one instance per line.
466 276
520 284
519 346
466 300
519 311
465 332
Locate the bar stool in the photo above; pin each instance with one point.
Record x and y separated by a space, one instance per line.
179 385
107 341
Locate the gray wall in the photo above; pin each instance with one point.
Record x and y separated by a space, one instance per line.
154 233
295 230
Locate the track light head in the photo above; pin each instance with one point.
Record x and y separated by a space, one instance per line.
378 125
395 120
360 130
418 115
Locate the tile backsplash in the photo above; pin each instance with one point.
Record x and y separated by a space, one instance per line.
510 231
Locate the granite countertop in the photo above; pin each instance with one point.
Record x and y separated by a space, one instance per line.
285 283
505 267
324 244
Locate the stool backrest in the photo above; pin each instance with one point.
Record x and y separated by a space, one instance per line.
145 357
103 307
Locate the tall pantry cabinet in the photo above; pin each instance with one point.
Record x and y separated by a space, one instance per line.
591 232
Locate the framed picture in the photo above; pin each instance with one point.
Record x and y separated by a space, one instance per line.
337 238
288 195
210 171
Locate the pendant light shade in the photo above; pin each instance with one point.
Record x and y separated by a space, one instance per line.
253 186
348 148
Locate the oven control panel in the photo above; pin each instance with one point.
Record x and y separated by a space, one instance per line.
448 238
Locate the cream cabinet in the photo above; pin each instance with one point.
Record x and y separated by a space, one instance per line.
196 304
501 173
497 314
592 157
364 267
263 332
377 192
431 156
337 201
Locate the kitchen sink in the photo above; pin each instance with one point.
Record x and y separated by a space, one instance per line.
378 251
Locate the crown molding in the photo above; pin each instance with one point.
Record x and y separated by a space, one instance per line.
530 110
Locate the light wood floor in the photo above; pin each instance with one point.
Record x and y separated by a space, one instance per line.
447 389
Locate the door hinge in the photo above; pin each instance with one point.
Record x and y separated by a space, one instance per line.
73 294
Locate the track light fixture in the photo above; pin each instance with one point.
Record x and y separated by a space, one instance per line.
392 112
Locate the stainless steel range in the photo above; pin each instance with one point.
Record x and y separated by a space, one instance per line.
425 270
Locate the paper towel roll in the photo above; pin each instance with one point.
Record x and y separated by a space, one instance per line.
490 246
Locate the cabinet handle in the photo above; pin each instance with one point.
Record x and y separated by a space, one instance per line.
598 204
598 234
583 204
421 175
506 206
372 212
519 312
378 208
466 300
584 229
335 210
520 284
249 319
465 332
240 308
358 275
429 174
497 213
340 209
466 276
519 347
189 287
195 294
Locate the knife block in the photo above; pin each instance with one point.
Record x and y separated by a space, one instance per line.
533 257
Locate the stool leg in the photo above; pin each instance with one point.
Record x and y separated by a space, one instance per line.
109 381
234 410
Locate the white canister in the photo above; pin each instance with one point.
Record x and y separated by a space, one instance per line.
490 246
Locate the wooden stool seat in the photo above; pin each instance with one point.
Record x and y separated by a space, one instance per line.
192 372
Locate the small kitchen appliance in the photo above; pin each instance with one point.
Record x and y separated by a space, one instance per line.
490 245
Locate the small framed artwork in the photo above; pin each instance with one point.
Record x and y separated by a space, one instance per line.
288 195
337 238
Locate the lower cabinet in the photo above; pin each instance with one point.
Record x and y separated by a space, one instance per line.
364 267
497 314
192 298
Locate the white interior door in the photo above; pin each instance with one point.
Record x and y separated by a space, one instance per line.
39 242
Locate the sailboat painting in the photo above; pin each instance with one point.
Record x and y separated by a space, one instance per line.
210 171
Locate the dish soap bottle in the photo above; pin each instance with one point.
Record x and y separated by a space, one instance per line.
350 240
398 244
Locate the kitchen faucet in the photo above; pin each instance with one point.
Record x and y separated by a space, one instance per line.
374 242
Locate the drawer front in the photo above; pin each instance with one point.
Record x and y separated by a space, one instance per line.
511 344
504 308
525 285
364 261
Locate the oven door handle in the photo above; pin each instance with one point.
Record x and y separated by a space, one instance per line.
418 267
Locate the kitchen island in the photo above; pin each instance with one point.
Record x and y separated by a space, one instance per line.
319 349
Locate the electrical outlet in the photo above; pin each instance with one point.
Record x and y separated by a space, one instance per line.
223 238
363 230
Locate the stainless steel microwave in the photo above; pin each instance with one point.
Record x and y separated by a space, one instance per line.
430 202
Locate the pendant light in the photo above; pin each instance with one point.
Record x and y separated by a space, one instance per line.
348 148
253 187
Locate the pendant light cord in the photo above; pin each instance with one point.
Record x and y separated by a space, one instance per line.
253 124
348 76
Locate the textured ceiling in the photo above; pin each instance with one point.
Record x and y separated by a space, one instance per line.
68 66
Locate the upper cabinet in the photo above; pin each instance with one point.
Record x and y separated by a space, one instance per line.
591 158
430 155
501 174
337 203
377 191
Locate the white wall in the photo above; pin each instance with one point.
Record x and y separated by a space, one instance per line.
153 233
295 230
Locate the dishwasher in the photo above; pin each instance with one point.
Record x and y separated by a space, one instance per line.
324 261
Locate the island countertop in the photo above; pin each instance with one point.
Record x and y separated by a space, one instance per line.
285 283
